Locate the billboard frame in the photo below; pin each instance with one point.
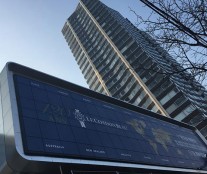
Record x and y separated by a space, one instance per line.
15 158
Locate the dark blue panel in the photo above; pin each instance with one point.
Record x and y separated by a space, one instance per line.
89 125
40 94
181 163
52 112
101 128
23 80
112 153
87 100
46 117
174 152
85 150
139 156
28 103
163 160
74 123
65 133
99 151
104 113
35 144
94 138
59 114
42 107
130 144
53 146
80 135
54 99
32 127
67 102
92 109
25 91
29 113
76 96
101 111
105 139
186 154
81 106
73 118
51 88
116 142
162 149
36 84
147 158
49 130
135 145
114 130
149 147
125 155
70 148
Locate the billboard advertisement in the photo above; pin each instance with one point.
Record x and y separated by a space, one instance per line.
59 122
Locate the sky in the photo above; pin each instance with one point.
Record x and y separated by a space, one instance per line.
30 34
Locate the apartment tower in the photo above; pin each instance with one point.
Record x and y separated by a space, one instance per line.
121 61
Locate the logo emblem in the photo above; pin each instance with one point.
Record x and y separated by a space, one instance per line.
80 117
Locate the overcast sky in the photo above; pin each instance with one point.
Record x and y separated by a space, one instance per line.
30 34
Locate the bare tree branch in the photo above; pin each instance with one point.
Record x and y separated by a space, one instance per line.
181 28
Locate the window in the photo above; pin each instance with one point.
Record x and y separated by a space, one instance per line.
131 96
180 100
148 64
168 96
137 101
166 84
195 120
189 109
143 58
147 102
103 24
124 49
154 109
146 77
204 131
171 108
158 78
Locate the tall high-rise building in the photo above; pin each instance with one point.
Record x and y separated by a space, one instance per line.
121 61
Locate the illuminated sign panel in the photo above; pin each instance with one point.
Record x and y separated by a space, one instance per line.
59 122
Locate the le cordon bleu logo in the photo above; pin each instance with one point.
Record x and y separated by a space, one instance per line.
80 117
83 119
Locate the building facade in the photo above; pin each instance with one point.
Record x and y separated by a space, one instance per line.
121 61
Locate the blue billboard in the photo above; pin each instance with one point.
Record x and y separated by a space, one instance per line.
59 122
